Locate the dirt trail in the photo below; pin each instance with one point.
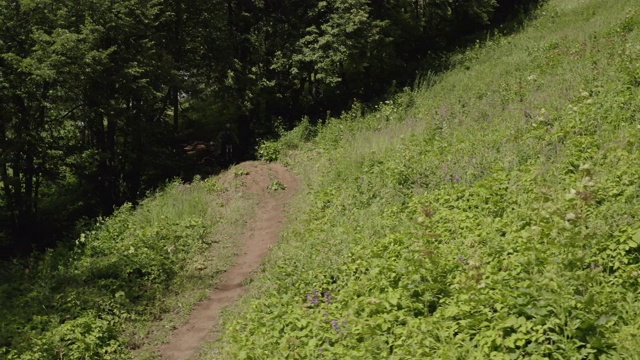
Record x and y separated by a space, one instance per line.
261 233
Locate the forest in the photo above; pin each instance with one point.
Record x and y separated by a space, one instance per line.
102 101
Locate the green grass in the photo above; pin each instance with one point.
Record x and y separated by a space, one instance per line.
128 283
491 213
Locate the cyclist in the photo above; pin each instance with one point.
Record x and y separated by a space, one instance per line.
227 140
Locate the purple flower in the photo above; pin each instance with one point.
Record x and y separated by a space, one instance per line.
456 179
335 326
327 297
313 298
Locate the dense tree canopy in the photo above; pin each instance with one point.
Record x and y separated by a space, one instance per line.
103 100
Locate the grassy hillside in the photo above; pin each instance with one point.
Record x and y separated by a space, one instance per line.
127 283
492 213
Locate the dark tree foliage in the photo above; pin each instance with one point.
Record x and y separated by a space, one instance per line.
103 100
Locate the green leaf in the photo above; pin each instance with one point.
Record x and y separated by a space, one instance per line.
636 238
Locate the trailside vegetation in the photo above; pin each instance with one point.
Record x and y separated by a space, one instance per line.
490 214
123 286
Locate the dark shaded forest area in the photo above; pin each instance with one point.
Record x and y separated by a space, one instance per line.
102 101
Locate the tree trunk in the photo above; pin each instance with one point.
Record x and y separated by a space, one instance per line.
134 175
177 60
175 103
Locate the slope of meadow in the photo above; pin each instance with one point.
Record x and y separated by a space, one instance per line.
491 213
130 281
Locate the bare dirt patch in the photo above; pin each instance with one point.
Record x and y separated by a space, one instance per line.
274 185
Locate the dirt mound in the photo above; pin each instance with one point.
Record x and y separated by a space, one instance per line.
274 186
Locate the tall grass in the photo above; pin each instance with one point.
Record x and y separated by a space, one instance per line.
491 214
125 285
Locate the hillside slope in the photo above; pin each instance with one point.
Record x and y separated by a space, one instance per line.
273 185
493 213
126 285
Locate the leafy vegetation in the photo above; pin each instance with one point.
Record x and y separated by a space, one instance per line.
276 185
127 282
490 214
103 101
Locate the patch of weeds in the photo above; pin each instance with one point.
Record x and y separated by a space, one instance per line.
240 172
269 151
276 185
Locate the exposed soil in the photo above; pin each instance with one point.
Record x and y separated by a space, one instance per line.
261 233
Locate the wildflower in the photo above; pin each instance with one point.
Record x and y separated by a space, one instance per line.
456 179
327 297
313 297
335 326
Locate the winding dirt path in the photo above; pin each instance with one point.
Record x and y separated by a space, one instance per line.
261 233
